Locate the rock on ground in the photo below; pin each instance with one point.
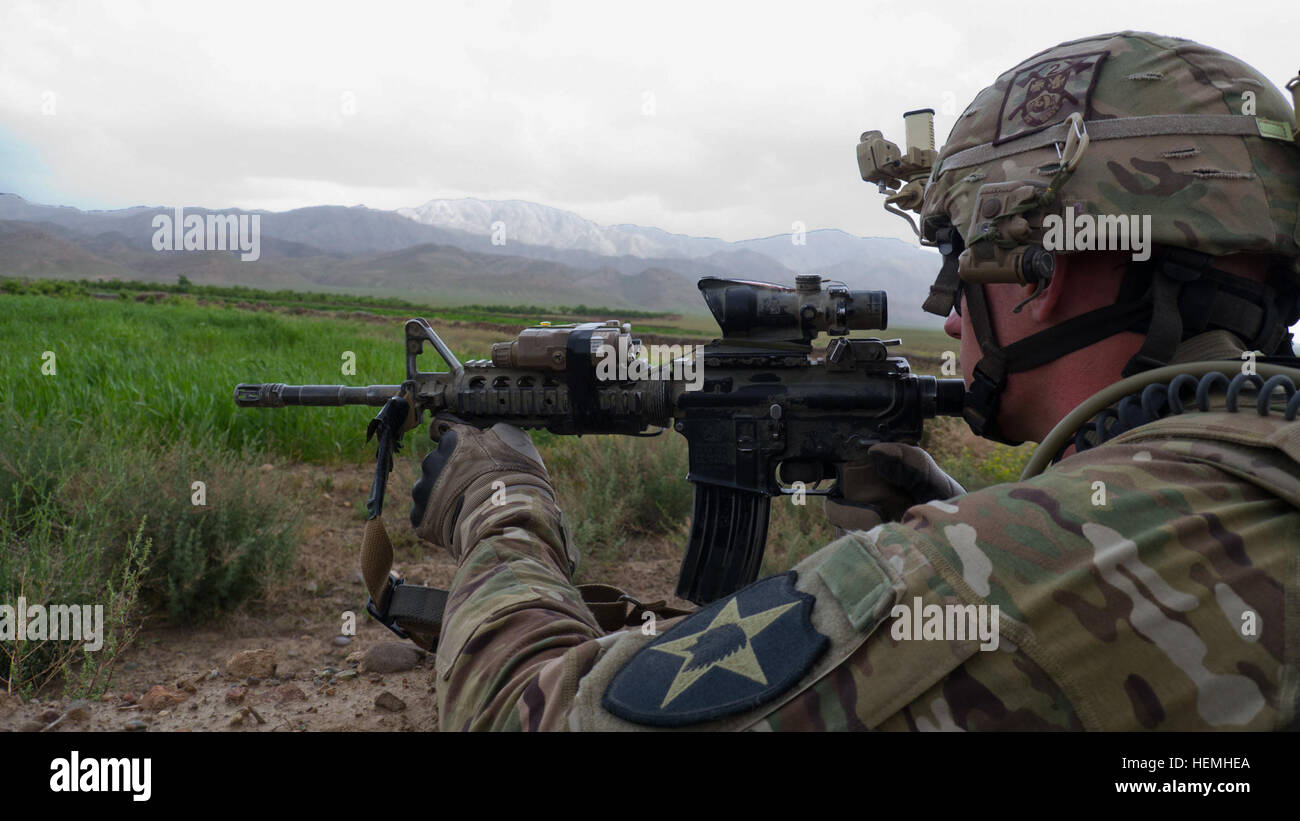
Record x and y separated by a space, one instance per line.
390 657
256 663
77 711
161 698
289 692
390 702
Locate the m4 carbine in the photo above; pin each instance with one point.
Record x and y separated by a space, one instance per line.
762 415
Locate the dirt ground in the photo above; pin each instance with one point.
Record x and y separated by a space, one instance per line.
183 679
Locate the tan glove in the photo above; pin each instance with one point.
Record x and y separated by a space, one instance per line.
459 476
894 477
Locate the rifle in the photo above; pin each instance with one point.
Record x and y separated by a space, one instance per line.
762 415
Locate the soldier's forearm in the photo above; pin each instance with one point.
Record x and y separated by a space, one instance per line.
512 614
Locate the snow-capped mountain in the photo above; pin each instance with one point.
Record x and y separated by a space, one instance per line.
533 224
861 262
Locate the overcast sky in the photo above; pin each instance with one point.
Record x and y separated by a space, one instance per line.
714 119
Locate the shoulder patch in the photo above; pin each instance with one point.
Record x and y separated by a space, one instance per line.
732 656
1047 93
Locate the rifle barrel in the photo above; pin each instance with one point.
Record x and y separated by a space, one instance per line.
279 395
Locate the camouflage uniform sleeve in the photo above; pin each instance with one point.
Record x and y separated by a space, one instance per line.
1137 587
516 635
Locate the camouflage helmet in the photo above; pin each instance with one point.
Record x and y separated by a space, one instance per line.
1195 138
1119 126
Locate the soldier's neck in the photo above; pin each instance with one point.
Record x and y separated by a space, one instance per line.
1036 400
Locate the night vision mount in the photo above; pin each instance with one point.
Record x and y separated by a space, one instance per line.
902 173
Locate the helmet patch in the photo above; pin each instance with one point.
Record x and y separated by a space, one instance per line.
1047 93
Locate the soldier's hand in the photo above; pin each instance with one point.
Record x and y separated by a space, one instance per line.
465 471
895 477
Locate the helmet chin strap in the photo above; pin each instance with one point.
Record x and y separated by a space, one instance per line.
1175 295
990 374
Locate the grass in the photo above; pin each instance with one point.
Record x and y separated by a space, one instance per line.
217 520
928 342
339 303
90 517
975 463
47 565
617 488
167 372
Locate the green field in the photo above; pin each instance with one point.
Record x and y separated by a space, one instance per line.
166 373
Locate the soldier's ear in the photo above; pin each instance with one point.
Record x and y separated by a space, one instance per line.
1046 308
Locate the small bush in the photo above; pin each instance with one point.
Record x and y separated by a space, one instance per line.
614 487
211 557
44 563
92 490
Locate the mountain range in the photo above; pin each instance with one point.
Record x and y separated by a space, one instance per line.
444 252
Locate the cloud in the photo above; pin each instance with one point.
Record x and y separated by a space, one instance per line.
709 119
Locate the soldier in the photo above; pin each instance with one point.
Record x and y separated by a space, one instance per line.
1148 580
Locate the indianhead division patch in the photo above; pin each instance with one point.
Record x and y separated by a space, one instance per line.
1046 93
733 655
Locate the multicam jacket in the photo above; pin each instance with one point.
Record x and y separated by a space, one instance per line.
1149 583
